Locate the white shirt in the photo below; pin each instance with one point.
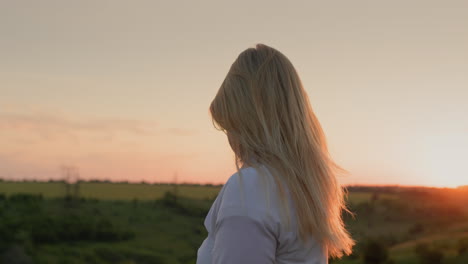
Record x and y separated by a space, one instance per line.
242 228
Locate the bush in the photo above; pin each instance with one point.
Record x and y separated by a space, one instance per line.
461 259
417 228
169 199
15 254
421 248
375 252
42 230
181 206
428 255
462 246
49 230
31 198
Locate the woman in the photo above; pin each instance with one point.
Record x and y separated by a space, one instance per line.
284 204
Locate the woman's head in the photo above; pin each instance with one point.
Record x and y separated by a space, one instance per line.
264 110
259 102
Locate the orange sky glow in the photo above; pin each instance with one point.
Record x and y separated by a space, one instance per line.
121 89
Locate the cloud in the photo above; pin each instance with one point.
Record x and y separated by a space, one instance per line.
39 121
49 126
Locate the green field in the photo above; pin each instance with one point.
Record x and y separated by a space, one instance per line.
109 191
125 191
145 223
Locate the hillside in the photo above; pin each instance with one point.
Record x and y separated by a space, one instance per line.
143 223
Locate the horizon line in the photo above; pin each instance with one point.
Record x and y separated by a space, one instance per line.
221 184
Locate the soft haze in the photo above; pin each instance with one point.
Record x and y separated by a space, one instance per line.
121 89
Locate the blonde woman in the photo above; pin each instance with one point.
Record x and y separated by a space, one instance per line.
284 204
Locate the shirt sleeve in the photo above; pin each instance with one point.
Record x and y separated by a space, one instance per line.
242 239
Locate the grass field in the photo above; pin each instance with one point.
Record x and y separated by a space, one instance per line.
109 191
161 233
170 231
125 191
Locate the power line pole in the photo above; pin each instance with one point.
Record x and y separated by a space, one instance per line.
71 177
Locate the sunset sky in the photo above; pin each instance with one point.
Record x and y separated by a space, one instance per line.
121 89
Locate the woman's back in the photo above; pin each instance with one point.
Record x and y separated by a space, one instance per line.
244 226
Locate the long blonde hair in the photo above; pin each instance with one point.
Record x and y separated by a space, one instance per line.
263 108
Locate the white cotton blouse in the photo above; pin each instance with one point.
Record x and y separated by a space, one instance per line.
244 226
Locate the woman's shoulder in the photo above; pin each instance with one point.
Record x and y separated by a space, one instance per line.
245 175
250 192
245 183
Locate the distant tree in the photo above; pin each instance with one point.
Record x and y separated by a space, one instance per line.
374 197
374 252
